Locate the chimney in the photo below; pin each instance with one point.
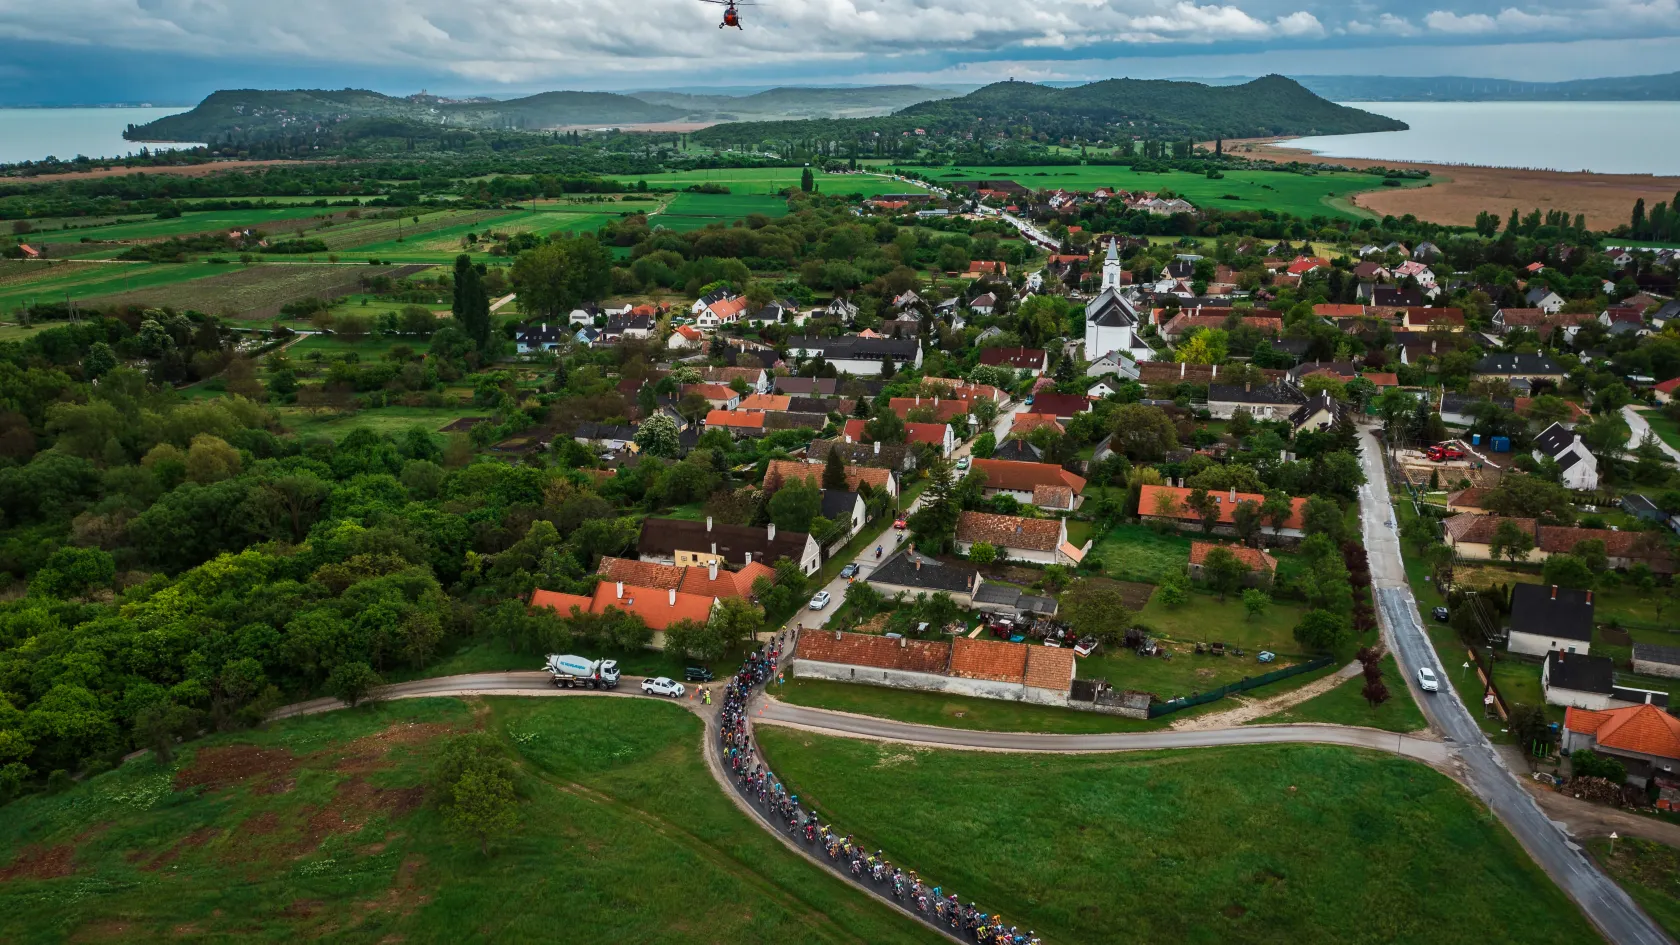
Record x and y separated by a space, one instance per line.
1432 344
749 557
711 570
918 561
1248 387
772 528
1589 597
1215 371
837 636
620 590
1233 495
877 447
1181 369
672 599
904 644
708 523
918 400
1554 592
849 440
714 547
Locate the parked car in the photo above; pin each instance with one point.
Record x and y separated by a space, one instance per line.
1440 613
901 524
963 463
820 600
849 570
697 674
663 686
1427 681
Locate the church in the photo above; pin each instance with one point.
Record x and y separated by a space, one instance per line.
1110 320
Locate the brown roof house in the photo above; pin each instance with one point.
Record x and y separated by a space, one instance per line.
1038 540
986 669
1261 566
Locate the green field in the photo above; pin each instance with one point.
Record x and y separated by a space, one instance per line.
380 419
1666 430
233 290
1299 194
1650 872
772 180
693 211
208 221
322 828
83 281
1139 553
1286 844
1344 705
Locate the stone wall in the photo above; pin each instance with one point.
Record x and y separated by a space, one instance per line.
928 682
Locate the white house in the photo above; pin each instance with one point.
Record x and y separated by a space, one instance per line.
541 337
1038 540
1546 619
859 356
1114 363
1564 446
1589 682
685 337
1544 299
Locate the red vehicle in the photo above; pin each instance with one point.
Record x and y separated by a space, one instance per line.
1442 452
901 524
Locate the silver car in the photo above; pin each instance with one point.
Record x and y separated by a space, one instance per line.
1427 680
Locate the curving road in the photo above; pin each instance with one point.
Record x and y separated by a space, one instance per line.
1483 769
1638 428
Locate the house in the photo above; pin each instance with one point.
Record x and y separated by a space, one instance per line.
1510 367
606 436
1063 407
638 327
1115 363
937 435
1578 466
1577 413
1623 548
1018 450
911 573
943 410
718 309
1267 402
1543 299
894 456
1262 567
1415 270
1432 319
983 304
962 390
1024 423
1032 360
737 422
756 378
1321 412
581 316
1302 265
688 544
1641 507
1036 540
1459 410
843 506
28 251
1644 738
994 598
876 478
658 608
1188 320
1665 392
685 338
1171 504
1650 659
1589 682
854 355
1471 537
1101 390
807 386
986 669
1546 619
708 581
773 313
542 337
1041 484
1469 501
1334 312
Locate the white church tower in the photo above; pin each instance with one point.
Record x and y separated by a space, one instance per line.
1111 269
1110 320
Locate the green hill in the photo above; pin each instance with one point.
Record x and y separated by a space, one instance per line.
1272 105
795 103
253 114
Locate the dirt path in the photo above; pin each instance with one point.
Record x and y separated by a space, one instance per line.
1250 709
1586 819
1458 192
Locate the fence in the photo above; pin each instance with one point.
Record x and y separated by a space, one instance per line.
1243 685
1485 672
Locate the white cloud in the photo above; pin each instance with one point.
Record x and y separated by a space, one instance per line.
1509 20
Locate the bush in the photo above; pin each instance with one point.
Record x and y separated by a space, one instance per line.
1589 764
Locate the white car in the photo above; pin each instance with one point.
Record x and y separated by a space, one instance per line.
663 686
963 463
1427 681
820 601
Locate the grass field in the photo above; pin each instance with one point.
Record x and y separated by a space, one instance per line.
772 180
380 419
321 828
1139 553
693 211
1299 194
208 221
84 281
1650 872
1666 430
1285 844
254 291
1344 705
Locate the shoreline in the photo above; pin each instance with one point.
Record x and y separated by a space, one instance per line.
1456 193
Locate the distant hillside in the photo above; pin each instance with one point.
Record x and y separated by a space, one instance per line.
795 103
1376 88
1272 105
255 114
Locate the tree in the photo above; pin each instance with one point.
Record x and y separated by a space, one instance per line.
1276 511
99 360
982 553
1245 520
1173 590
1322 630
1375 691
351 682
702 641
1143 433
807 181
658 436
1321 516
473 785
1255 601
1567 571
471 305
1223 571
1097 609
834 472
795 505
885 427
158 726
559 275
1511 542
736 620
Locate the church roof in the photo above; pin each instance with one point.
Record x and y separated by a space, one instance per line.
1110 310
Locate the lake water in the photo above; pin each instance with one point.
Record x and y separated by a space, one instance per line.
30 134
1607 137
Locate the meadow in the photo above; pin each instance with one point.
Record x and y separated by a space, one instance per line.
1300 194
207 221
323 827
76 282
248 292
1344 705
773 180
693 211
1296 844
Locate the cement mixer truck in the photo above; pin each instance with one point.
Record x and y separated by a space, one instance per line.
572 672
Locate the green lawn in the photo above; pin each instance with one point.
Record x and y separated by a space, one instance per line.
1666 430
1649 872
1139 553
321 828
379 419
1344 705
1296 844
1301 194
772 180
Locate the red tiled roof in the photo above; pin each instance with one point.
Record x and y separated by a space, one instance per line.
1331 310
728 308
1049 667
1470 498
1010 531
1434 316
1645 729
862 649
777 402
1028 422
1479 529
562 603
944 409
988 659
711 391
1307 264
658 607
855 475
1052 497
1149 502
1669 386
1061 405
1382 378
640 573
931 433
699 581
1017 476
1256 559
735 418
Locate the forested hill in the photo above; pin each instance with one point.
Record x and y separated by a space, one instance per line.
1272 105
1445 88
251 114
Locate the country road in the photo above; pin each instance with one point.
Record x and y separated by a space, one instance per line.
1484 770
1638 429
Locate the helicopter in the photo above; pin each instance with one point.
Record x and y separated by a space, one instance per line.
731 16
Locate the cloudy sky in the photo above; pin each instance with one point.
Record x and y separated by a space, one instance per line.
58 51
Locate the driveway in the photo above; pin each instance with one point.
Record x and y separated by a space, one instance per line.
1638 428
1604 903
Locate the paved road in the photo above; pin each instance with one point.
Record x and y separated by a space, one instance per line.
1604 903
842 723
1638 428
